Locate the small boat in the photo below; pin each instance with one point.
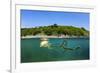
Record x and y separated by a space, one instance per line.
44 42
43 39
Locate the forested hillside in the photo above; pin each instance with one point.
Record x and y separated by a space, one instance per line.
55 30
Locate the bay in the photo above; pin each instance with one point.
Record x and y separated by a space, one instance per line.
32 52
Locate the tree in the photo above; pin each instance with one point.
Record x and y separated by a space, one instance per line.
55 25
83 28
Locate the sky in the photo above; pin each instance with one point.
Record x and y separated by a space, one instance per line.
35 18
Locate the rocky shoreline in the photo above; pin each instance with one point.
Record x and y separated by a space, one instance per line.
54 37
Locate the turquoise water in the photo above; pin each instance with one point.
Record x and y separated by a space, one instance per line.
32 52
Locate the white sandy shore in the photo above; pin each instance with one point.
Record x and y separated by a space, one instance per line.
54 37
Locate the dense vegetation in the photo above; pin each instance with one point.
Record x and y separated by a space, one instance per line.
55 30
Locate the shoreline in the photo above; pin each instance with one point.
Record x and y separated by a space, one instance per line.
23 37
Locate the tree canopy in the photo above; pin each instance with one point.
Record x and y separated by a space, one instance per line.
55 30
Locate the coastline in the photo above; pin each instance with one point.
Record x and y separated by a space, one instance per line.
25 37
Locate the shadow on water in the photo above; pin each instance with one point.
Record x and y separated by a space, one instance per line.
63 45
57 50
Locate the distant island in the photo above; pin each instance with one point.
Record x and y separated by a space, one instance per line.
55 30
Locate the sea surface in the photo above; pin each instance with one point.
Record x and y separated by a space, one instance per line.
60 49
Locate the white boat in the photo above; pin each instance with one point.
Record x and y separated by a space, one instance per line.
44 42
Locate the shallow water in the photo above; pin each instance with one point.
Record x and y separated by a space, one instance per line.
32 52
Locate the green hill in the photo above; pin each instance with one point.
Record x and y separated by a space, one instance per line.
56 30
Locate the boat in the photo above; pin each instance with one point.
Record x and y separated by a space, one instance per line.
44 42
